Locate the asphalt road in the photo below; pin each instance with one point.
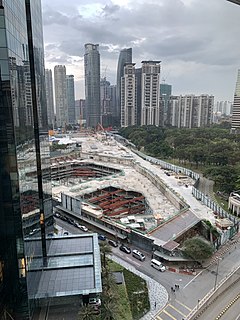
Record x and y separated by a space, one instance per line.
191 288
221 304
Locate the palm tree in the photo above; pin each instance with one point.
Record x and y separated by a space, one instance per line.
105 249
109 310
86 313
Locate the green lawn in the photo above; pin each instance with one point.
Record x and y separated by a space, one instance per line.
133 294
123 305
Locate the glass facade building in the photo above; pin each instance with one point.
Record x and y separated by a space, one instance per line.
125 56
70 98
92 84
25 178
49 95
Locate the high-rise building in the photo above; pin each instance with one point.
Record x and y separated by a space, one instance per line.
165 93
104 95
70 99
151 111
25 178
128 96
125 56
49 96
236 107
138 74
112 95
224 107
92 84
190 111
60 84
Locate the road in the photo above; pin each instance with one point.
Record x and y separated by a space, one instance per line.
191 288
167 279
227 304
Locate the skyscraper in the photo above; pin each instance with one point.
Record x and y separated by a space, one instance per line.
92 84
236 107
70 99
49 96
125 56
151 112
25 180
128 96
138 74
60 84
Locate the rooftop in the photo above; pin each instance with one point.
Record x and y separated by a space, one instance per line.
73 267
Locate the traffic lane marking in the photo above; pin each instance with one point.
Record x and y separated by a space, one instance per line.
182 304
168 314
178 311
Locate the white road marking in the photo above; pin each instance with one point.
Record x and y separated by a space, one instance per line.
193 279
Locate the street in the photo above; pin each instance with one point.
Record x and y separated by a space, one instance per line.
191 288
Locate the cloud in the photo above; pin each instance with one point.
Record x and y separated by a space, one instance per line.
110 9
196 38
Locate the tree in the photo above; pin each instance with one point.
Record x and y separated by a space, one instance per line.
198 248
109 310
86 313
105 249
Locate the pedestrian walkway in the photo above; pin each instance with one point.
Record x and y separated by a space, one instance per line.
231 244
158 296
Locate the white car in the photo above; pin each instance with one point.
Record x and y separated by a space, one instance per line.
83 228
95 301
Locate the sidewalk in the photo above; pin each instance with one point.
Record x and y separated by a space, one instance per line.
231 244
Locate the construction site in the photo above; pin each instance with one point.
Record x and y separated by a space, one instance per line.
109 187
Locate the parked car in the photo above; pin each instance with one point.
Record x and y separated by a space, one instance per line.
113 243
125 249
83 228
101 237
50 234
138 255
158 265
94 302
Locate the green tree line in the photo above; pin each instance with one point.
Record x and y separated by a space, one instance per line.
213 151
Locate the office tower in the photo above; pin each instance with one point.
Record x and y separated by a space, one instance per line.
128 96
138 74
104 96
236 107
106 115
151 112
190 111
25 179
49 96
125 56
112 95
70 99
60 84
92 84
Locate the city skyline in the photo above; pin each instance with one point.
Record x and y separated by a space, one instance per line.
196 52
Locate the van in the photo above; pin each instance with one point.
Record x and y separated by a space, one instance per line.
157 265
138 255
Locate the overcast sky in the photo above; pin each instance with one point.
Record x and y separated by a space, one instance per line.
198 41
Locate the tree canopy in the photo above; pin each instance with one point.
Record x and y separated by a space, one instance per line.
198 248
213 150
